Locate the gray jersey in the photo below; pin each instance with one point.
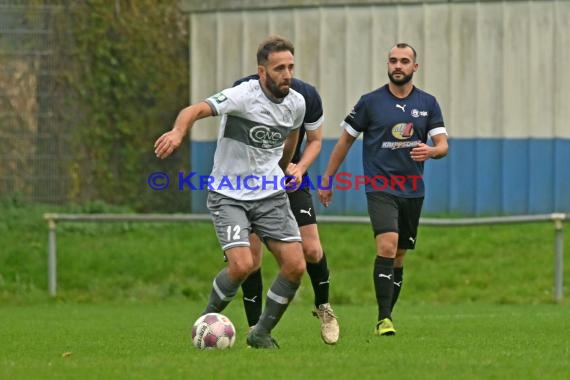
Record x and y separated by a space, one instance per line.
250 140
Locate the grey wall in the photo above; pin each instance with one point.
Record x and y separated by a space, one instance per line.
498 69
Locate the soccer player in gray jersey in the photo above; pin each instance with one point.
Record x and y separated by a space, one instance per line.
396 119
304 211
256 141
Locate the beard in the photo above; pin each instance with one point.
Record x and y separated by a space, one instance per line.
274 88
400 82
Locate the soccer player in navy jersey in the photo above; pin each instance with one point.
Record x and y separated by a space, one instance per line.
256 139
396 119
302 206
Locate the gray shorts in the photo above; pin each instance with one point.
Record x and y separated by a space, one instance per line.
234 220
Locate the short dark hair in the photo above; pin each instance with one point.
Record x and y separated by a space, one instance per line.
273 44
403 45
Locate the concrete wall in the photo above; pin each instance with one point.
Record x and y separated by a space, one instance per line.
496 67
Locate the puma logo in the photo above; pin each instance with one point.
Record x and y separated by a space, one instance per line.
250 299
388 276
412 240
308 212
403 108
398 284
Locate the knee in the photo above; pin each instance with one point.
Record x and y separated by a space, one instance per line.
294 273
294 268
313 253
387 248
299 268
242 268
399 261
256 264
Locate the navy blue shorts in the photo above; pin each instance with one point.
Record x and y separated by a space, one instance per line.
302 206
389 213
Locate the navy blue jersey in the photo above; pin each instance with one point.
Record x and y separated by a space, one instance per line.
392 127
313 112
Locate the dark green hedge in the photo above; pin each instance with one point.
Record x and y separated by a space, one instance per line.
128 76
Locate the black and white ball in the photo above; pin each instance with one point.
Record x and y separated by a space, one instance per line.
213 330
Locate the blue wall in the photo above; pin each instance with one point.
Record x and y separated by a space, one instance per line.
479 177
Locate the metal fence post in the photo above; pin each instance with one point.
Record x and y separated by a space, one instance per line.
559 256
52 256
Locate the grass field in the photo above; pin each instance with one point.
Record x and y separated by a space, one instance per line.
150 341
477 303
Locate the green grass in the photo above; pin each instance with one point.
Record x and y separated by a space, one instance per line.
477 303
150 340
507 264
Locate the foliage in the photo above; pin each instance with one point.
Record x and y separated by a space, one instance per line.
129 76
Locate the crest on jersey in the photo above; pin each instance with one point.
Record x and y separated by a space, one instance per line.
417 113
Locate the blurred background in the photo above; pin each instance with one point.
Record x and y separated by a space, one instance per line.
87 86
85 89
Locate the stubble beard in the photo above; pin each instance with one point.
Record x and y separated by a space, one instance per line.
400 82
274 88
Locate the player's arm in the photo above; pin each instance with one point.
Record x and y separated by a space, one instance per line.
311 151
171 140
424 152
289 149
338 155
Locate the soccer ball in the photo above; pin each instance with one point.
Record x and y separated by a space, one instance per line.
213 330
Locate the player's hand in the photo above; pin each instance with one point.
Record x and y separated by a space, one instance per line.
420 153
167 143
325 191
297 177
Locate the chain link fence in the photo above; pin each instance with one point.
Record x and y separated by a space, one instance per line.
33 129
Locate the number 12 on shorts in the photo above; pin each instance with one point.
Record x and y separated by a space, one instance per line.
236 232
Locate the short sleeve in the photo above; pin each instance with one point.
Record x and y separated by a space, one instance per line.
356 121
228 100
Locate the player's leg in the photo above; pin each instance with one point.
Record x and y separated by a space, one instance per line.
289 256
398 275
232 229
318 271
383 211
317 267
302 206
274 222
304 212
409 218
252 287
386 244
227 281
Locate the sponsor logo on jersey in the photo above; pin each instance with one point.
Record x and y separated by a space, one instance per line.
265 136
403 131
400 144
255 134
